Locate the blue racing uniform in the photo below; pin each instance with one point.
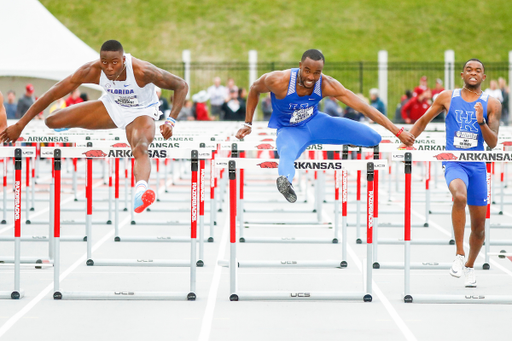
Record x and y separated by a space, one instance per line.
300 124
463 133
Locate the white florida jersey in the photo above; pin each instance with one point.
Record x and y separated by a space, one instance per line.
128 94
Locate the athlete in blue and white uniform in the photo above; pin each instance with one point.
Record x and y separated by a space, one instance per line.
130 103
295 96
473 117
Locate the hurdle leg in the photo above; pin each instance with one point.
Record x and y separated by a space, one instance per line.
88 217
407 229
4 198
213 212
126 206
358 206
369 231
51 236
427 193
193 224
336 206
487 240
27 185
75 185
16 294
200 198
33 185
157 161
233 264
56 225
502 187
116 201
132 179
110 191
166 171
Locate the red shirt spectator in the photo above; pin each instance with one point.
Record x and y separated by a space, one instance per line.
202 112
439 87
74 98
422 87
416 107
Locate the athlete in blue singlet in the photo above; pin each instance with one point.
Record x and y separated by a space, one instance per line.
130 103
473 117
295 96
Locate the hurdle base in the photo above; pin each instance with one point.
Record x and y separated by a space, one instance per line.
302 296
157 239
288 240
462 299
400 241
138 262
286 264
26 260
123 295
15 295
423 265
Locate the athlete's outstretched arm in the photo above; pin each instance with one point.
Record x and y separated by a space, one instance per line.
441 103
491 129
3 115
258 87
59 90
332 87
168 81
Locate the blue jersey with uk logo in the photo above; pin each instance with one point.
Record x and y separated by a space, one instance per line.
462 129
295 110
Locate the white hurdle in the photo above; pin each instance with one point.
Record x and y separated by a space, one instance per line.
476 156
120 295
234 263
17 154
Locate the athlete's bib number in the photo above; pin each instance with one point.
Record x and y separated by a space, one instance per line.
301 115
127 101
465 140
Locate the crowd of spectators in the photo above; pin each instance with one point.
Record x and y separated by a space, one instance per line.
15 109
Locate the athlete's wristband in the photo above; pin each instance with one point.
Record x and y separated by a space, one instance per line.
170 121
399 132
247 124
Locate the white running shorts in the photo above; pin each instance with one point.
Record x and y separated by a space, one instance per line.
124 116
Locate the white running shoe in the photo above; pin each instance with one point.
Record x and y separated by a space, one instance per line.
470 279
458 266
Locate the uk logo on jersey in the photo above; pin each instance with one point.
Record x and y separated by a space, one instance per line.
467 120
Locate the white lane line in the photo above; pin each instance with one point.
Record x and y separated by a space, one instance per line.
389 307
38 213
206 325
7 325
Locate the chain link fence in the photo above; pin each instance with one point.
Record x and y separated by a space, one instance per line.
359 77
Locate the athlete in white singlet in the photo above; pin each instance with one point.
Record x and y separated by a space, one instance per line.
130 103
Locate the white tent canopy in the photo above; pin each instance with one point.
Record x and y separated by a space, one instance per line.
36 45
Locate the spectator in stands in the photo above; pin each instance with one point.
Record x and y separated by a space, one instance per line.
217 93
84 96
74 98
10 105
438 89
201 111
406 97
164 107
266 107
422 87
504 105
494 91
186 112
26 101
231 86
331 107
233 108
417 106
354 115
376 102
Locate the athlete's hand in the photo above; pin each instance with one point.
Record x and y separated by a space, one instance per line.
11 134
407 138
479 112
166 131
243 132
